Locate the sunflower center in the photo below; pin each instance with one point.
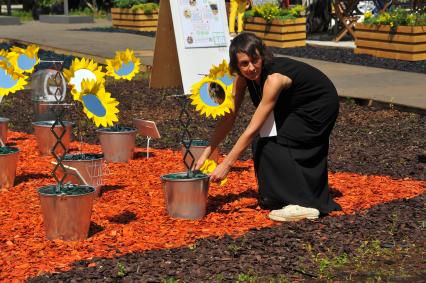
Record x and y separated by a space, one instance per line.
6 80
25 62
212 94
94 105
126 69
79 75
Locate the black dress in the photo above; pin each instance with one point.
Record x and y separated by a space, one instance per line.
291 168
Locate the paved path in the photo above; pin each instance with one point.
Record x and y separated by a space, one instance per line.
399 88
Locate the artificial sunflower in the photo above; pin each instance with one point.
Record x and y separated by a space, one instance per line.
125 65
24 59
84 69
222 73
208 167
98 104
10 80
212 97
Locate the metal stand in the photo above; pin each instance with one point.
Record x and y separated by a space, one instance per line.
185 121
59 113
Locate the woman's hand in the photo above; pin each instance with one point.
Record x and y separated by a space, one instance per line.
206 154
220 172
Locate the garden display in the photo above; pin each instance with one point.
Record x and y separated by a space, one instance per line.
186 193
398 34
277 27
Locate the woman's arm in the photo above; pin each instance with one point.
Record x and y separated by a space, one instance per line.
274 84
224 125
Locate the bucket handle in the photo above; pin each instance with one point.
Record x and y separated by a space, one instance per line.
74 171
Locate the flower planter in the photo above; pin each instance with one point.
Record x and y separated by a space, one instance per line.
89 166
186 197
8 160
118 143
197 149
405 43
66 216
4 122
278 33
135 20
46 140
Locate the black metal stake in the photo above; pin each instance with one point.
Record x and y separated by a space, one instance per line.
185 121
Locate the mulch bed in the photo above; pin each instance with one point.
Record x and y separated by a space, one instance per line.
130 216
365 140
293 249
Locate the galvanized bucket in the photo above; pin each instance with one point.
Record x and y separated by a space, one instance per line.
185 198
8 163
66 217
4 122
44 110
197 151
117 146
91 170
46 140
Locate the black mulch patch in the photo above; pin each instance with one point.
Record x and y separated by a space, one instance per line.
354 245
346 55
365 140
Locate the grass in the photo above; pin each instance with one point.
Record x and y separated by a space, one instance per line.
24 16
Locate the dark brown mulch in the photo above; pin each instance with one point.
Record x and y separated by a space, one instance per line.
294 251
365 140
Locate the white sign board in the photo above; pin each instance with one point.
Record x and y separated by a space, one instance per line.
202 24
208 50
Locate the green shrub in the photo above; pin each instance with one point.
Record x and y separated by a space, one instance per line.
271 12
147 8
395 18
127 3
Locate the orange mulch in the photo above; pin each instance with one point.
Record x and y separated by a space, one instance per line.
134 189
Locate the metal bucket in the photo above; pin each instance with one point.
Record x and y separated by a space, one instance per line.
197 151
8 163
185 198
91 170
4 125
117 146
46 140
66 217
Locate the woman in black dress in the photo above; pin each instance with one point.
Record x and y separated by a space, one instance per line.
296 109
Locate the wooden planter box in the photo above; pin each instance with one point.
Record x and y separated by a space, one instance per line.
135 20
278 33
406 43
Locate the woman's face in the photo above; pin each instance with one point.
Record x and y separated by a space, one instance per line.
249 67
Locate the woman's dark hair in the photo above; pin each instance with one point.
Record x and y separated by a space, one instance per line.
247 43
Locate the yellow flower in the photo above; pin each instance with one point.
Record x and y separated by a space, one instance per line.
10 80
98 104
208 167
125 65
212 97
222 73
24 60
368 15
84 69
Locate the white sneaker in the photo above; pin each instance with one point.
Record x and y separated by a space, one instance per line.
293 213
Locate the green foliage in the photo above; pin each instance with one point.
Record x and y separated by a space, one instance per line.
148 8
23 15
170 280
87 12
48 3
121 269
246 278
270 11
395 18
127 3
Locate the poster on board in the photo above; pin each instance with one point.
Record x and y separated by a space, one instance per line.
202 24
